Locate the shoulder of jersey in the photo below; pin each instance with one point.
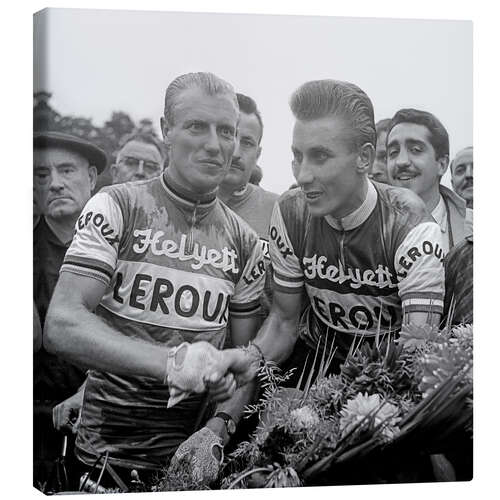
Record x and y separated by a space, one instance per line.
232 216
269 195
404 202
128 189
292 195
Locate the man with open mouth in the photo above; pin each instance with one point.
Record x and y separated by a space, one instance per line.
418 152
352 259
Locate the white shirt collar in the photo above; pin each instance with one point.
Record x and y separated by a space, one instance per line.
356 218
439 215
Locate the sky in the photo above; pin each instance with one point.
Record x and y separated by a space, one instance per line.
98 61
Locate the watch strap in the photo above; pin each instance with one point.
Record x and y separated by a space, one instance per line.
228 421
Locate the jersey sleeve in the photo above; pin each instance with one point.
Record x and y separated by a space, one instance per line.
419 266
249 288
287 274
94 249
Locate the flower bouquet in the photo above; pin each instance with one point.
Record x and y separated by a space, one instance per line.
393 404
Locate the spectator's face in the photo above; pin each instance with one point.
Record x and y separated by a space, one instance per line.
66 178
202 140
137 161
379 169
324 165
40 189
462 174
246 152
411 159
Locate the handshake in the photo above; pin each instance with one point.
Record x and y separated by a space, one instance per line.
190 368
200 367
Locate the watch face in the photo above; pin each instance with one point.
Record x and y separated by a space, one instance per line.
231 426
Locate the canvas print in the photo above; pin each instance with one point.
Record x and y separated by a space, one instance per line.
252 251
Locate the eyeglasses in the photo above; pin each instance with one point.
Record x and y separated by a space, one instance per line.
134 163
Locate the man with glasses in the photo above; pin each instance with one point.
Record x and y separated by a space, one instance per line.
141 157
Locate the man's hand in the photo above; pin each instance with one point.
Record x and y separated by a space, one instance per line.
202 454
195 368
243 363
66 415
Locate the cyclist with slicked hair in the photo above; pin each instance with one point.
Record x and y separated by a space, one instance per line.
156 272
351 259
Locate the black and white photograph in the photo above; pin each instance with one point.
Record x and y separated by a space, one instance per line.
252 251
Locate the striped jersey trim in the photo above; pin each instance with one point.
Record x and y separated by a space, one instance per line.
422 301
287 281
92 264
89 273
243 308
436 296
288 289
422 304
424 308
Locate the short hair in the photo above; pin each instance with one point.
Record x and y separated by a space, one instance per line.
146 138
321 98
382 126
454 159
438 134
256 175
248 106
208 82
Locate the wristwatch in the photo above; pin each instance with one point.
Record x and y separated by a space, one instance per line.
228 420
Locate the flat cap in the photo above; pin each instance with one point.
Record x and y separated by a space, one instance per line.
95 155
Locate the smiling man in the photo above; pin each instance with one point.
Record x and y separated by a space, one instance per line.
154 265
462 175
64 174
418 151
351 259
367 255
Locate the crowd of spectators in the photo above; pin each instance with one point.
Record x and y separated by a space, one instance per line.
396 176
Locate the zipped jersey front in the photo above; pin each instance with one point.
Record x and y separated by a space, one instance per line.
175 269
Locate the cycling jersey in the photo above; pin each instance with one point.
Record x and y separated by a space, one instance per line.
255 205
174 267
360 271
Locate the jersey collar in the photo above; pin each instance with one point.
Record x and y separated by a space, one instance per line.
356 218
186 199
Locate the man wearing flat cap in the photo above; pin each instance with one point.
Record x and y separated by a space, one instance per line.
65 170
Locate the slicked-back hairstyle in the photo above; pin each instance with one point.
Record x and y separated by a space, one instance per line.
452 164
144 137
382 126
438 136
249 106
321 98
211 84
